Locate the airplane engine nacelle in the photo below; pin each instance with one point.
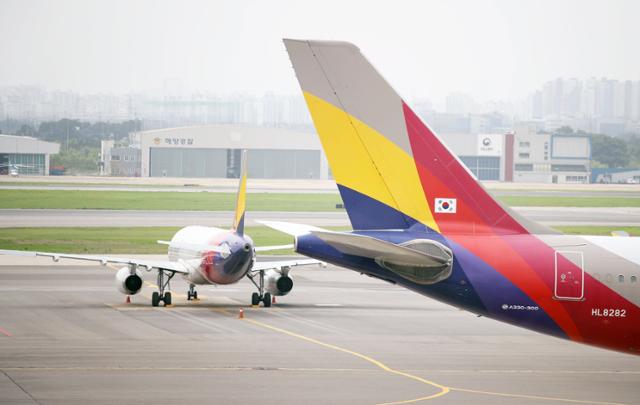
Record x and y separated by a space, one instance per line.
277 284
129 283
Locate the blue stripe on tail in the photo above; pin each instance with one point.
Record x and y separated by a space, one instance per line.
366 213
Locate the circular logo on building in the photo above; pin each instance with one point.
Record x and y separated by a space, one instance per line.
486 141
156 141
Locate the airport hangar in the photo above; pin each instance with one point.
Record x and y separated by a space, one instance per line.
214 151
27 151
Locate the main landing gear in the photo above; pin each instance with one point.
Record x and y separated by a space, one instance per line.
163 284
259 296
192 294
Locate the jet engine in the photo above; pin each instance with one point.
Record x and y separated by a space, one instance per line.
277 283
129 282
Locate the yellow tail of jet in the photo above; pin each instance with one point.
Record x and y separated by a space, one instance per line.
241 201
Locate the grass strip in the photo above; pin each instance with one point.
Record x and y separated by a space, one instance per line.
142 240
164 200
120 240
552 201
214 201
598 230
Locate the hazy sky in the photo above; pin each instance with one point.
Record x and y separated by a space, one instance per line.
488 49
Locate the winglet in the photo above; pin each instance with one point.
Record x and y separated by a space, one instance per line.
241 201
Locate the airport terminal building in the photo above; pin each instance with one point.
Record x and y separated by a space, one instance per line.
524 156
214 151
26 151
548 158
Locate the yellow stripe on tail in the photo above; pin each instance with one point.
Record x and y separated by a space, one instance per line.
367 162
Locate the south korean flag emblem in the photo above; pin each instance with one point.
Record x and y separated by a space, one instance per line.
446 205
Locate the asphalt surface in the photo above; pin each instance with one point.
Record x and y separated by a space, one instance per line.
10 218
67 337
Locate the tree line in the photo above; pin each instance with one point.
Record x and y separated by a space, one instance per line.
611 151
79 140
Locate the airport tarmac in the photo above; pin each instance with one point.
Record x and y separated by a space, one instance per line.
67 337
11 218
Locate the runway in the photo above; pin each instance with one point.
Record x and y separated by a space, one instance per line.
66 337
11 218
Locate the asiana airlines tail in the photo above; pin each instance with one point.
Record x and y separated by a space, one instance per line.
421 220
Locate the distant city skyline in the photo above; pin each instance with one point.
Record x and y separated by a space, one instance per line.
173 89
592 105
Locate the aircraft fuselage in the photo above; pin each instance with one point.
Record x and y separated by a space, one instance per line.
586 289
210 267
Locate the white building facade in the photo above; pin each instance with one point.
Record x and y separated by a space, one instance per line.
214 151
30 155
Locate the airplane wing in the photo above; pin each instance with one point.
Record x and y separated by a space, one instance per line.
366 246
177 267
280 264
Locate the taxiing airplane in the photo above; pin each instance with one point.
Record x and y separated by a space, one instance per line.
421 220
202 255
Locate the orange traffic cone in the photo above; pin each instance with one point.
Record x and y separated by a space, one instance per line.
241 314
128 301
273 299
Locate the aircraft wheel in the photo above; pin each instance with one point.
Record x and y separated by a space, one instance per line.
195 295
189 296
155 299
255 298
167 299
267 300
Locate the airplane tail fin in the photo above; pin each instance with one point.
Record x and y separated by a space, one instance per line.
391 169
241 199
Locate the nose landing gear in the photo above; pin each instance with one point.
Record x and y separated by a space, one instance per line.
192 294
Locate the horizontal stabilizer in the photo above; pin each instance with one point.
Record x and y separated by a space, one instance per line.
366 246
224 249
290 228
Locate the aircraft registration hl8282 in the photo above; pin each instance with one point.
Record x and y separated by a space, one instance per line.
422 220
203 255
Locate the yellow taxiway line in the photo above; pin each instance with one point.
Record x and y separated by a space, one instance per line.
443 389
